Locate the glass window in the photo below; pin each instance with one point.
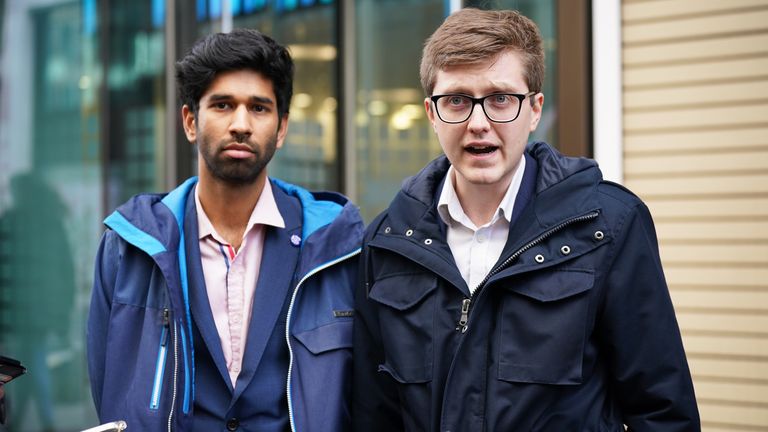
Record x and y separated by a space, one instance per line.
50 207
134 99
394 137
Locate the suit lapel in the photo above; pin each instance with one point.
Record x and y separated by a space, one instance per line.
278 263
199 303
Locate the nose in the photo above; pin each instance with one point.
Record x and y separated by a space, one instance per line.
478 122
240 124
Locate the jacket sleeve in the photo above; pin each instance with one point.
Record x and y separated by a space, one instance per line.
105 275
375 400
641 336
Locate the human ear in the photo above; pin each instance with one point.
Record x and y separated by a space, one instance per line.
189 122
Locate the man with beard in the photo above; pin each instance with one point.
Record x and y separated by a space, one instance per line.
226 303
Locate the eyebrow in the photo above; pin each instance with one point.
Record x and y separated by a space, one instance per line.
253 99
493 88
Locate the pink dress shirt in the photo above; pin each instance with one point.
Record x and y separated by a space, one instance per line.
231 275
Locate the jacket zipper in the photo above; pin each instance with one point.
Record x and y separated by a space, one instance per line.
162 353
175 373
288 327
467 302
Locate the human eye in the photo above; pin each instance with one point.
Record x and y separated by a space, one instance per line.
258 108
500 100
456 102
221 106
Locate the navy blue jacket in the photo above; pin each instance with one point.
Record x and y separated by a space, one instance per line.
572 330
146 320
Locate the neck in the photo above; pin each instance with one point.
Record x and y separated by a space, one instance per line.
229 207
479 201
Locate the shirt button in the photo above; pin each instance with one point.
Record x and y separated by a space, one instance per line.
480 237
233 424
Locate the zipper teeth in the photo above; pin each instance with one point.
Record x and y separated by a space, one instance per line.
529 245
288 326
175 373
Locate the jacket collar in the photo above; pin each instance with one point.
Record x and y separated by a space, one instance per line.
154 222
555 175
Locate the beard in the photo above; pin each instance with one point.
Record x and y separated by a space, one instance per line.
237 172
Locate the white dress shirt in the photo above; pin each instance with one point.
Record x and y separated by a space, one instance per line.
476 249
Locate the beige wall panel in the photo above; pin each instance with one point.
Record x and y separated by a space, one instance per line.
704 278
694 140
696 50
750 348
746 254
735 392
710 95
727 368
695 27
689 74
718 417
722 209
695 99
744 323
695 118
723 299
703 185
681 163
737 254
735 231
668 8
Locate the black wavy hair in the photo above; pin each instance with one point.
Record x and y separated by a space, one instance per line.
236 50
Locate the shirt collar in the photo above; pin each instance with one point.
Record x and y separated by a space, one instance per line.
265 212
450 210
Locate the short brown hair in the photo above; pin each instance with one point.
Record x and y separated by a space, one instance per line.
471 36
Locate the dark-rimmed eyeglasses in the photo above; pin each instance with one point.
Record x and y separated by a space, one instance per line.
498 107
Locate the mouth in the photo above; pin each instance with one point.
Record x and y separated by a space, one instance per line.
481 149
238 151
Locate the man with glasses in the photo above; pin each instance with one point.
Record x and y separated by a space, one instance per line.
508 287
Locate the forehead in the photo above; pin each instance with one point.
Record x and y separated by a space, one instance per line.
244 83
503 72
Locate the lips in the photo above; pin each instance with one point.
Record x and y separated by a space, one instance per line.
481 149
238 151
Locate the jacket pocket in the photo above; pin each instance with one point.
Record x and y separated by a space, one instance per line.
543 327
406 318
329 337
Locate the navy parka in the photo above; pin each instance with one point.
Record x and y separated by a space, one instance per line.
146 328
572 330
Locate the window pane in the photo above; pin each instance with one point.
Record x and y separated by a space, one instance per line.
394 137
135 81
50 207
